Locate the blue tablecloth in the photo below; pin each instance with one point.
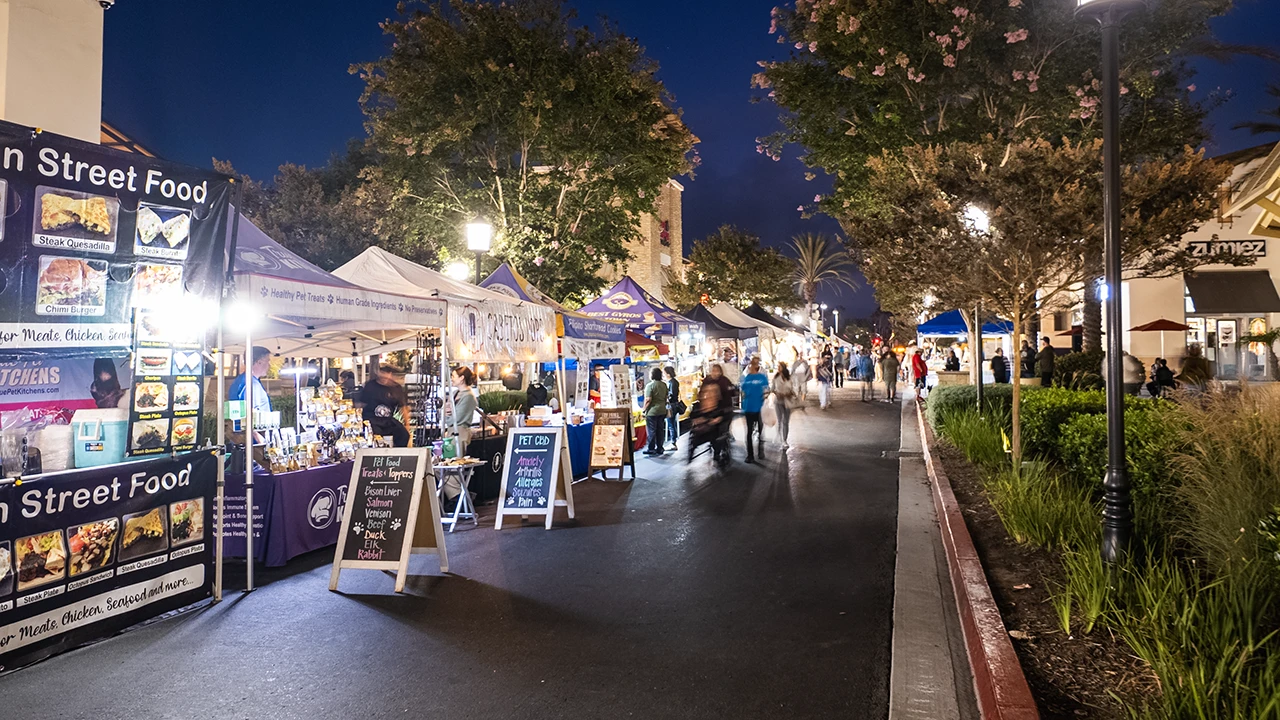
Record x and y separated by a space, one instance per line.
580 448
295 512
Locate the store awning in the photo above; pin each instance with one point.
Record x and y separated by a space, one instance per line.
1215 292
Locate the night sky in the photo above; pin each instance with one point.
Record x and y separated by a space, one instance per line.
261 83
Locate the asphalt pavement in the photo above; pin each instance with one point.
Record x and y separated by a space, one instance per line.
761 592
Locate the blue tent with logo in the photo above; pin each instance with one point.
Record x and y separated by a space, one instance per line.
952 324
569 323
627 302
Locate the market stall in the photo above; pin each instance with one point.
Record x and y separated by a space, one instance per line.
483 326
792 340
295 309
766 333
110 265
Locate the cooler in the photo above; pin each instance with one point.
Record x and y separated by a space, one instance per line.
100 436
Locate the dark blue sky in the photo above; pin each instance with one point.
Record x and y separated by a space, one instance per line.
261 83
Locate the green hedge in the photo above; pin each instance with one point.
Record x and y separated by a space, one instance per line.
1079 370
949 399
1045 412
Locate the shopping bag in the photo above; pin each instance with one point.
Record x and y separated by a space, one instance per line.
769 413
449 448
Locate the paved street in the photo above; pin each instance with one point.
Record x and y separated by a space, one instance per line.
762 592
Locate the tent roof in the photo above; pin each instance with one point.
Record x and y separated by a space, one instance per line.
314 313
717 328
760 313
570 323
733 316
635 339
952 323
627 302
376 267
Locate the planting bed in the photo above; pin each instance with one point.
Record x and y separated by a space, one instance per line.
1070 676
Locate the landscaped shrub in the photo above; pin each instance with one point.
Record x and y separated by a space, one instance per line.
978 437
949 399
1079 370
1036 506
1046 411
502 401
1228 466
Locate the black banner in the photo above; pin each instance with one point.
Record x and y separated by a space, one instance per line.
87 553
89 234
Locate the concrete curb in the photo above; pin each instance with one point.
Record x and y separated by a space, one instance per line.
998 681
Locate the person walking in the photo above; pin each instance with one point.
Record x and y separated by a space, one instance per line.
655 412
1195 369
800 377
1000 367
754 386
842 365
1044 362
890 365
782 386
1028 360
919 372
867 375
826 376
675 407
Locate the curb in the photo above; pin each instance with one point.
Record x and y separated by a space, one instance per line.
998 681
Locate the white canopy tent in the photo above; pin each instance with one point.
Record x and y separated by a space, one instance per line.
294 308
483 326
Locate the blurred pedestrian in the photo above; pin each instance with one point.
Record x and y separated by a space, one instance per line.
1000 366
919 372
784 396
1028 360
800 378
890 366
655 412
754 386
867 375
826 376
1044 362
1162 380
675 407
1195 369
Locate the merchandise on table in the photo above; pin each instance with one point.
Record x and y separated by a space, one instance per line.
335 433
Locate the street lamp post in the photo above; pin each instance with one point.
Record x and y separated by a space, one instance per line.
836 313
1117 501
479 239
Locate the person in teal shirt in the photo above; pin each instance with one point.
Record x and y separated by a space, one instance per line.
754 386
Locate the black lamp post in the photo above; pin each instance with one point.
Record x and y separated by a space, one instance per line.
1117 510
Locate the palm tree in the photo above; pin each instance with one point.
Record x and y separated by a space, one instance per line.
819 264
1264 127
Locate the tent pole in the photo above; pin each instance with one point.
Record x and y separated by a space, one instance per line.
248 458
222 468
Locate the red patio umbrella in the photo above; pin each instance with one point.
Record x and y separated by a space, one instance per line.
1161 326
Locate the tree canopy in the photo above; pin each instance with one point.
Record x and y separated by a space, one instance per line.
730 265
509 112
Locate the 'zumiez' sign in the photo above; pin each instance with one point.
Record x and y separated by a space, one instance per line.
1239 248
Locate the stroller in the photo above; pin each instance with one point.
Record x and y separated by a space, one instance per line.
710 429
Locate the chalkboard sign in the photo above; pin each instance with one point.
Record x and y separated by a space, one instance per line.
611 441
381 513
536 475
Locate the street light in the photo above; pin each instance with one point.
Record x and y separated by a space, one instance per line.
836 313
1117 502
479 239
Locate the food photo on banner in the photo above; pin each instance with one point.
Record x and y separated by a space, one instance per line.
111 265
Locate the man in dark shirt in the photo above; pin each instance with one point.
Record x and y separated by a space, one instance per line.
380 398
1044 362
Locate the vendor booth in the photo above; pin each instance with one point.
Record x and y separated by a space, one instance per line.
766 333
295 309
484 327
996 333
791 340
111 265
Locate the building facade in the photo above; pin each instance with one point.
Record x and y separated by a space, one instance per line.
659 247
1220 302
51 65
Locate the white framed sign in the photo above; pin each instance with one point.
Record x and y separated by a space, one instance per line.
536 474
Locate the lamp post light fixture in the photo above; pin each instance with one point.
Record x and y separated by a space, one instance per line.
836 313
1117 500
479 240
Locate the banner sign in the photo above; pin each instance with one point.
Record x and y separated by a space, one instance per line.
490 332
89 232
591 349
85 554
62 386
168 386
589 328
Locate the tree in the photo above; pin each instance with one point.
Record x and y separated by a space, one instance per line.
1272 122
320 213
1044 205
819 264
731 266
892 75
559 136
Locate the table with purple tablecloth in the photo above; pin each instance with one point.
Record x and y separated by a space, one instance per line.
303 512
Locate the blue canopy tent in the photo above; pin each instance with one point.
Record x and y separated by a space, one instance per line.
629 303
952 324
